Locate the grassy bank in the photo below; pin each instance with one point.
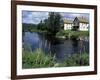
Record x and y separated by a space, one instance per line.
38 59
64 33
76 60
70 33
40 31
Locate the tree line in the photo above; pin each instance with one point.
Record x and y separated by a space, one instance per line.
53 24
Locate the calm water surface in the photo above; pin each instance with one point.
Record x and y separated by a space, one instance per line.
59 47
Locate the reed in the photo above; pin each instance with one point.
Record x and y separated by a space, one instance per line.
38 59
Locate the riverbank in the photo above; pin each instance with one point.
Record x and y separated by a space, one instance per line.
38 59
39 31
65 33
71 34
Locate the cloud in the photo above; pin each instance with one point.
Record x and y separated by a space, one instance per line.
71 16
35 17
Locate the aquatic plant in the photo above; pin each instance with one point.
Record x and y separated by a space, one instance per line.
37 59
77 60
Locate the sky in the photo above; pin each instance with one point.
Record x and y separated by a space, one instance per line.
34 17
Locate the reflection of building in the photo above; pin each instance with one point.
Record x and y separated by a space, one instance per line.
79 23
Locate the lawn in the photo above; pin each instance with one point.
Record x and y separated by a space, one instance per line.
69 33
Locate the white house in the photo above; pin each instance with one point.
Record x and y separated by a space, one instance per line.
79 23
68 24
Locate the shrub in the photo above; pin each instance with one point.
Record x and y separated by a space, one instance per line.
77 60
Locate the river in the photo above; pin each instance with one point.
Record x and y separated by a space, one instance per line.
56 46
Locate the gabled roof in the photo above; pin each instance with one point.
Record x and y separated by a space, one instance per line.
68 21
82 19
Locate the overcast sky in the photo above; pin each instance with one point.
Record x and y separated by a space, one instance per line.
35 17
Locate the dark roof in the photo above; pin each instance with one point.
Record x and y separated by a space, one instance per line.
82 19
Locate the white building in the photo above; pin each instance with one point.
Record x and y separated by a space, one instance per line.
79 23
68 24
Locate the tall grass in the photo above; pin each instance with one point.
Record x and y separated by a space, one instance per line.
77 60
38 59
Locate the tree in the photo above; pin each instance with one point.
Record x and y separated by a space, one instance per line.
45 24
54 22
28 27
39 26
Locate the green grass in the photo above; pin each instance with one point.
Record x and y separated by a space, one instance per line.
77 60
72 34
38 59
40 31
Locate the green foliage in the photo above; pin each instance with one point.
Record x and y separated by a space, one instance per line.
41 26
37 59
54 22
77 60
28 27
63 33
72 34
84 33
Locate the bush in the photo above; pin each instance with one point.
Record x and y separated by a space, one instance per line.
77 60
63 33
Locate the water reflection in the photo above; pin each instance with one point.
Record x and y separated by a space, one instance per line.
58 47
